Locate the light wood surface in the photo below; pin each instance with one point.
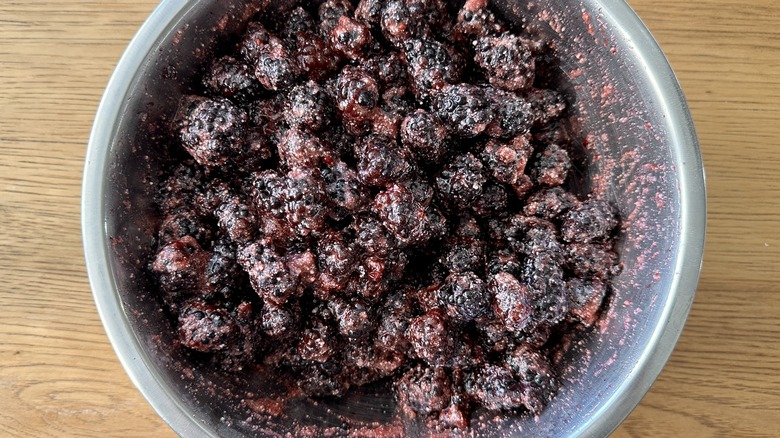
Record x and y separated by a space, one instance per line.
60 377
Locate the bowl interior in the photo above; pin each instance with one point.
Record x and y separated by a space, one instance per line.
634 127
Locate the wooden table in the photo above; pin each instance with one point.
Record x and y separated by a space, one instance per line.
60 377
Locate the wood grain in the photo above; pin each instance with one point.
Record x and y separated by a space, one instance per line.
59 376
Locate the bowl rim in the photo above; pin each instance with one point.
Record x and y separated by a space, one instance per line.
139 366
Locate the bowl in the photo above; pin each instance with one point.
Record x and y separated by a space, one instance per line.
644 155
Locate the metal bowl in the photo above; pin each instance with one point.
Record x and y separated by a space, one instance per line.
644 155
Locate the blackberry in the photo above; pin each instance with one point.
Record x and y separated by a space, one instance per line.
355 321
276 68
590 260
256 37
546 106
464 109
463 254
431 66
503 259
236 219
425 136
551 166
299 147
343 187
421 190
532 235
180 267
475 20
350 38
461 181
506 60
402 215
308 106
535 375
211 130
370 11
269 192
495 388
268 273
585 299
513 115
330 11
184 222
465 296
389 69
306 203
397 101
512 301
277 322
297 21
206 328
393 322
507 163
549 203
315 57
430 338
493 201
371 235
592 220
423 390
402 20
357 97
336 257
223 275
381 161
228 77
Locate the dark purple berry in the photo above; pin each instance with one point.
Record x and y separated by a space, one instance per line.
464 109
211 130
425 136
231 78
382 161
551 166
465 296
308 106
424 390
592 220
461 181
506 60
350 38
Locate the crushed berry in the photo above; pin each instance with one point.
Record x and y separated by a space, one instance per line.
549 203
378 191
551 166
507 163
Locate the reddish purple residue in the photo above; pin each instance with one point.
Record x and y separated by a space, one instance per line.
586 19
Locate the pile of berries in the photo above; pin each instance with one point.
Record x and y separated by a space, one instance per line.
379 190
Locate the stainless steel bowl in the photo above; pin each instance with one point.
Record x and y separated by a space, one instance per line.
635 124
